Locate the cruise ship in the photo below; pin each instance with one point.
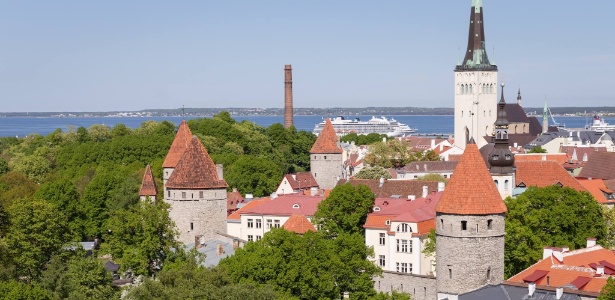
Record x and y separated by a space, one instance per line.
599 125
380 125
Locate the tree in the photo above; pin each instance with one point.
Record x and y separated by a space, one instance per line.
4 166
395 295
345 210
430 243
37 232
308 266
13 290
72 275
609 218
142 237
538 149
376 172
362 139
254 175
433 177
550 216
63 195
608 290
99 132
393 153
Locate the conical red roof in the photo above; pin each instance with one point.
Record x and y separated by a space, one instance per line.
180 143
327 140
471 190
148 185
298 224
195 170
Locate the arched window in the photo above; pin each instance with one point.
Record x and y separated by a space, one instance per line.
506 183
496 181
404 228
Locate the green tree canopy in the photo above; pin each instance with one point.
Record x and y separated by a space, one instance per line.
307 266
376 172
345 210
254 175
538 149
363 139
608 290
550 216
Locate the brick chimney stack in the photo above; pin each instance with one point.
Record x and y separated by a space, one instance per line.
288 96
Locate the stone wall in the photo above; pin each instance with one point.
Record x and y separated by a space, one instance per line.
420 287
326 169
194 217
471 258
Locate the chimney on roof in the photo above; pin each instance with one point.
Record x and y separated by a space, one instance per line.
559 292
249 196
591 242
559 254
585 157
547 252
313 191
600 270
411 197
425 191
425 167
234 190
565 249
531 288
441 186
220 171
381 182
273 196
433 143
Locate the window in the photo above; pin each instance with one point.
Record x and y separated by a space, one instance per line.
192 195
169 194
464 225
259 223
183 195
201 194
410 268
258 237
506 184
325 157
269 222
381 260
404 228
382 239
276 223
442 223
250 223
489 224
401 267
410 247
402 246
250 238
191 226
387 222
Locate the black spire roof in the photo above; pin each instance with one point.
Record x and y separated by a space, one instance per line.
501 159
476 55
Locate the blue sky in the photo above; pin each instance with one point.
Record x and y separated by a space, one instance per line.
131 55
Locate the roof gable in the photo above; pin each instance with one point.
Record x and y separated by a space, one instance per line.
195 170
327 141
179 145
471 190
148 185
298 224
545 173
286 205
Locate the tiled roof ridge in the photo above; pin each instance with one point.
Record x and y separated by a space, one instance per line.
583 250
179 145
327 141
195 169
148 185
471 191
573 268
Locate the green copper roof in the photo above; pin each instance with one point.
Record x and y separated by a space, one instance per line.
477 4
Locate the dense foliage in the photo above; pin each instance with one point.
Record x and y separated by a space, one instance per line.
396 154
364 139
376 172
345 210
608 290
550 216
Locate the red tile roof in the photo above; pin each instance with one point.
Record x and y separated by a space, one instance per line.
148 185
560 158
576 264
470 190
298 224
286 205
580 151
232 199
236 215
195 170
535 276
327 141
597 188
420 211
301 180
600 165
402 188
543 174
179 145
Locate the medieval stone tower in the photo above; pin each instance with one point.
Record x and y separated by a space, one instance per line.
326 162
178 147
288 96
196 191
469 229
148 189
476 81
501 159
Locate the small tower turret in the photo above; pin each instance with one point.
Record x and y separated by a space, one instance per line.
519 97
148 185
326 163
501 159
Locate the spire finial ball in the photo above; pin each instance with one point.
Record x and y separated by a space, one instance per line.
502 84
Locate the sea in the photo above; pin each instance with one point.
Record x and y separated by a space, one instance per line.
424 125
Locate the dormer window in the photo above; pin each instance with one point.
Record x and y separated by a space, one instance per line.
507 156
376 208
495 157
404 228
387 222
296 205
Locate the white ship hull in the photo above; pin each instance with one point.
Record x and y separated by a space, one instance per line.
382 125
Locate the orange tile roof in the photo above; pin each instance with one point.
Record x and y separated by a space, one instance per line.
236 215
425 226
597 188
376 221
195 170
327 141
298 224
560 158
148 185
543 174
179 145
577 263
471 190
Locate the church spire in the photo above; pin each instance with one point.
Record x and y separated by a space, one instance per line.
501 158
476 54
545 117
519 97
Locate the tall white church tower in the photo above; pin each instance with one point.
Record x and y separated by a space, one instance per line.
476 85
